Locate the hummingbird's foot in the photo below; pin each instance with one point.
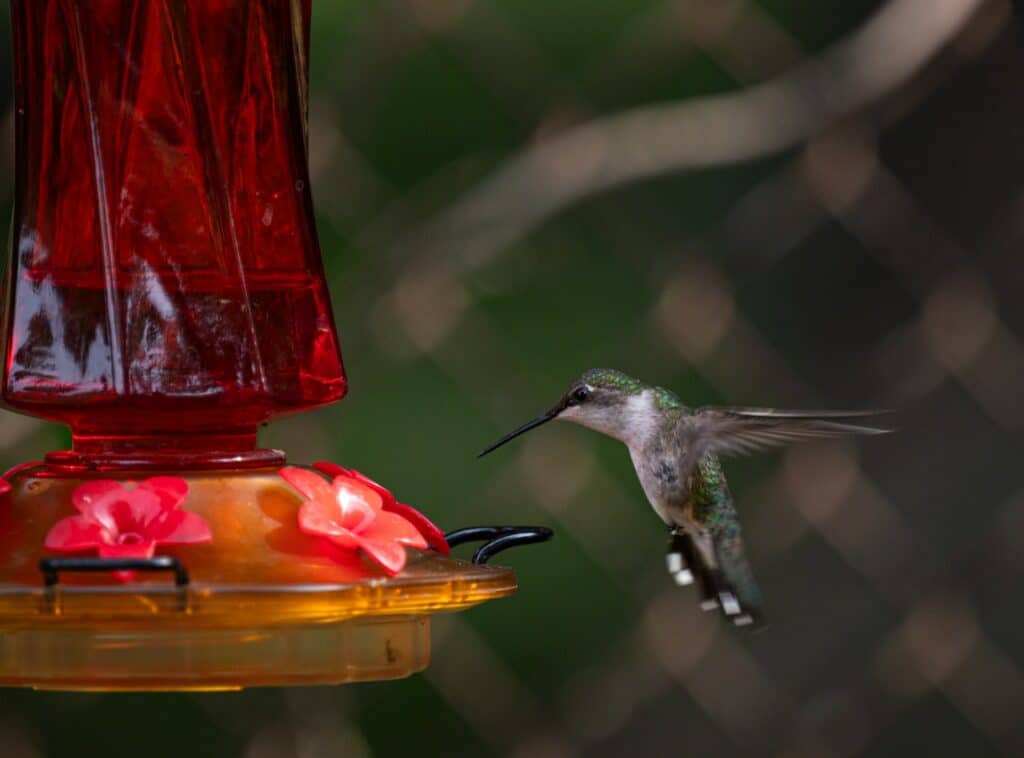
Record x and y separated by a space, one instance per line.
679 558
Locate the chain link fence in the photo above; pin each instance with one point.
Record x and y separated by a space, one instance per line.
750 202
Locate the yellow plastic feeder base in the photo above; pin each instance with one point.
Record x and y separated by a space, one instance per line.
264 605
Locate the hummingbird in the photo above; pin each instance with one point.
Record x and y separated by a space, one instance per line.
675 451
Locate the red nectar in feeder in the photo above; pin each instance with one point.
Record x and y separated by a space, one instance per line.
165 294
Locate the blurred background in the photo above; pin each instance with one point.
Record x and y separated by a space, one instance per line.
767 202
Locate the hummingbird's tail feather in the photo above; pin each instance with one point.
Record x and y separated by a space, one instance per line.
681 559
724 579
686 566
743 596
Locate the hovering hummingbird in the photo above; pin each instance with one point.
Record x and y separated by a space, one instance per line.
675 451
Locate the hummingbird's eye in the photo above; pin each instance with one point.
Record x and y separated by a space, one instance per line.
580 394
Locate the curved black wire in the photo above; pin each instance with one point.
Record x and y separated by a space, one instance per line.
498 538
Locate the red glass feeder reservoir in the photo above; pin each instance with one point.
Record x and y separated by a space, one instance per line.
164 297
166 294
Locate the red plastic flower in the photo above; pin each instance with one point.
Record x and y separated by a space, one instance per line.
433 535
351 515
121 521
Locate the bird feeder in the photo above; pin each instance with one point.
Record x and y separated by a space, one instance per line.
165 297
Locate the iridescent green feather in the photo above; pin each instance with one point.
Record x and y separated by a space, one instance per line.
612 379
713 508
666 400
712 501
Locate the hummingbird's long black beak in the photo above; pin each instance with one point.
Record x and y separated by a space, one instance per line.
553 413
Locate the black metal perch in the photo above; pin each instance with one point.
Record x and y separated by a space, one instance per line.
498 538
52 567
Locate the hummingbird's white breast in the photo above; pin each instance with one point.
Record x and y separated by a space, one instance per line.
656 463
642 420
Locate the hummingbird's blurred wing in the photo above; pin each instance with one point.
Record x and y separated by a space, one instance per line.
735 431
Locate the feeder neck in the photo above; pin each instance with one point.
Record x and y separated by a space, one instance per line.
187 452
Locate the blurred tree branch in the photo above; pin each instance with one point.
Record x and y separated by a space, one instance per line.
546 177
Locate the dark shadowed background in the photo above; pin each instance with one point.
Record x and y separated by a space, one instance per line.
768 202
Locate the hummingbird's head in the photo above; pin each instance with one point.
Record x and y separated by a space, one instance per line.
602 399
